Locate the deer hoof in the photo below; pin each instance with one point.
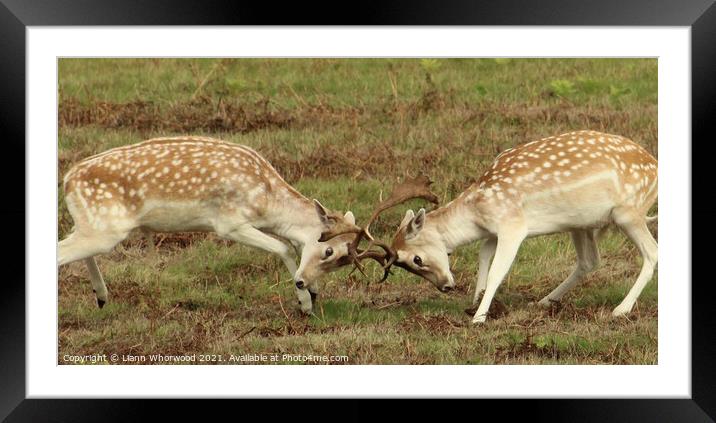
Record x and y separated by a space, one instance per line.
545 302
621 311
479 319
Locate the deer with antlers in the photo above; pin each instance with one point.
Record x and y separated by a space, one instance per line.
198 184
578 182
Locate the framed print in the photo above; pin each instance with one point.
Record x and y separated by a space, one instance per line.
249 204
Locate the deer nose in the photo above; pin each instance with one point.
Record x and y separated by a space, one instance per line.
300 284
447 288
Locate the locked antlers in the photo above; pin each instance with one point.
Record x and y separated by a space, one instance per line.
410 188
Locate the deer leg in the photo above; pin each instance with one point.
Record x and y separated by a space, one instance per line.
507 245
634 226
98 286
253 237
78 247
487 252
587 260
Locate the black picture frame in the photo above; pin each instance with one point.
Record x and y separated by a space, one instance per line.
16 15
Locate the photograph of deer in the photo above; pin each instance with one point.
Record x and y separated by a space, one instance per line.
578 182
174 175
202 185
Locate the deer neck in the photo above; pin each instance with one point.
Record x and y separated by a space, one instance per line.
455 224
294 217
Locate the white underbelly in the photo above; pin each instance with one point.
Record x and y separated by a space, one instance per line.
177 217
555 221
587 204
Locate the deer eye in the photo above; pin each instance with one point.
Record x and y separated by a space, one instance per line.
329 252
418 261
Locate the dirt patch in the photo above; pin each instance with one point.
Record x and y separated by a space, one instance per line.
202 114
299 326
527 348
267 332
497 309
565 310
173 241
366 161
131 292
434 324
331 161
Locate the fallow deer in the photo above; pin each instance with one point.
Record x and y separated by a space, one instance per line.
578 182
197 184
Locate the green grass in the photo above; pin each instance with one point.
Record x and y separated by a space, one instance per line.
341 130
352 82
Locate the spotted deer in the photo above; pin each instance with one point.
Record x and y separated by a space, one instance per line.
578 182
197 184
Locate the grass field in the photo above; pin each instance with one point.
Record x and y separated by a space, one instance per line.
340 130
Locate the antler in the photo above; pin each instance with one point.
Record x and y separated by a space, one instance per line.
410 188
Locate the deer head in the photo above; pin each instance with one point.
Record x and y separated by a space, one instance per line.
326 255
410 188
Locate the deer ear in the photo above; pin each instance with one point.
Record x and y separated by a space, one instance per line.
419 219
408 217
416 224
322 212
350 218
